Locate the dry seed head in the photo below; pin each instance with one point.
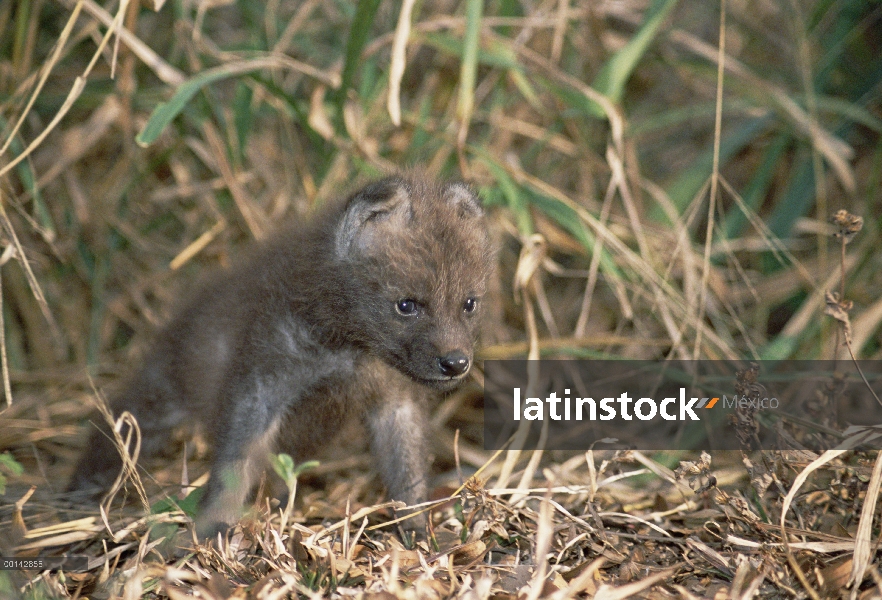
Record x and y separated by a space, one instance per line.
476 485
838 309
847 224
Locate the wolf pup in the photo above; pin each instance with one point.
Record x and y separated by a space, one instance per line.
369 309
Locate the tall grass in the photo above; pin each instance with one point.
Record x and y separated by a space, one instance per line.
592 125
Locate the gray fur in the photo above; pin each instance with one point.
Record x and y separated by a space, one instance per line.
314 327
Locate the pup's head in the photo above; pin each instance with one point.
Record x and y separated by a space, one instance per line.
418 257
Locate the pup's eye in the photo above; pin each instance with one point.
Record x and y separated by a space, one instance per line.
406 307
470 305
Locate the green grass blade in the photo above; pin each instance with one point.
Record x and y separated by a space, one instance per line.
29 182
617 70
758 186
513 197
683 190
797 201
358 36
850 111
493 54
243 117
567 218
166 112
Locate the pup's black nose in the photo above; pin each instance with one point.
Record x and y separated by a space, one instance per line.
455 363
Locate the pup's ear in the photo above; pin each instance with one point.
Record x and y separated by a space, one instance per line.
464 199
371 214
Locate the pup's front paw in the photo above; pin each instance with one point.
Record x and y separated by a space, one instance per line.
214 520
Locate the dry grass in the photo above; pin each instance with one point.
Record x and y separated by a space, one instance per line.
657 190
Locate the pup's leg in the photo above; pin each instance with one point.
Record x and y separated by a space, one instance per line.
245 436
398 443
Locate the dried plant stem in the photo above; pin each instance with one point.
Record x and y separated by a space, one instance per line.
399 60
533 253
714 185
166 72
46 70
7 387
594 266
36 289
